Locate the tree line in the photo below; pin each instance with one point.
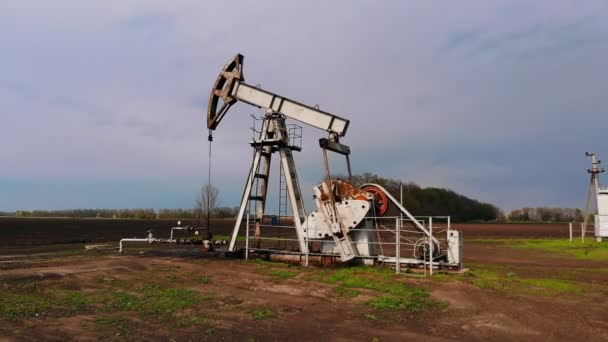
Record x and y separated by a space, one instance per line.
543 214
136 213
434 201
420 201
205 202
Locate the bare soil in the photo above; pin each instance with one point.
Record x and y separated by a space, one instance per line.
48 253
309 310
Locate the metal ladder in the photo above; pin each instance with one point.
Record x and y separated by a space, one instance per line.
295 195
273 138
257 199
283 201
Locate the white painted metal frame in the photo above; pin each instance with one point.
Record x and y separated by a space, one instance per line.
403 241
311 116
267 144
403 210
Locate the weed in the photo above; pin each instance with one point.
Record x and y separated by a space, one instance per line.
366 278
188 321
553 285
107 280
343 291
513 284
118 326
19 306
35 303
74 301
443 277
385 302
124 301
276 269
263 313
164 302
371 317
311 274
205 279
271 263
281 274
155 301
397 295
416 300
114 282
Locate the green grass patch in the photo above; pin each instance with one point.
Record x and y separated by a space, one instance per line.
393 294
124 301
263 313
151 301
73 301
171 300
372 278
343 291
160 301
18 306
114 326
279 270
415 300
28 302
511 283
588 250
280 274
262 262
191 321
154 300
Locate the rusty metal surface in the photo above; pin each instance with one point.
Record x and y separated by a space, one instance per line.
222 90
344 190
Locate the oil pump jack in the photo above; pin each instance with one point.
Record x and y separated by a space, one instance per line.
341 206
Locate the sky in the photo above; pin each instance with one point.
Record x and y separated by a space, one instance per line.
103 103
